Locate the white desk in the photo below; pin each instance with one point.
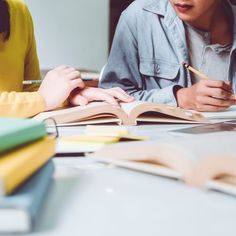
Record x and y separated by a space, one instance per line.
91 199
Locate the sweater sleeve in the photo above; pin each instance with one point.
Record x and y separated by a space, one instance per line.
21 105
31 64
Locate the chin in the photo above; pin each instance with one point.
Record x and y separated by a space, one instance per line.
186 18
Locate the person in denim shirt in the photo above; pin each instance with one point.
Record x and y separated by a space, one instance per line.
153 39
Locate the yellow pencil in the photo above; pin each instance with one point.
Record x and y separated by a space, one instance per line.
201 75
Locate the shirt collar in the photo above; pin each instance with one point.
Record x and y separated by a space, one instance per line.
157 7
232 4
163 8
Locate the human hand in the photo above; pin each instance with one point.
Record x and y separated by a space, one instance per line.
58 84
83 97
206 95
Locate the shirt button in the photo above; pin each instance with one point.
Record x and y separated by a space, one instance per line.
206 35
157 68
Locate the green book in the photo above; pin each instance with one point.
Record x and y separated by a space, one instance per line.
16 132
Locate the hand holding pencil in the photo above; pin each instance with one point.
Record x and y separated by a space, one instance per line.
206 95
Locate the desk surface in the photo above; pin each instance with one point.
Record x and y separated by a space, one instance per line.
89 198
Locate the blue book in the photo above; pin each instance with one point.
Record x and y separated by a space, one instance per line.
15 132
19 211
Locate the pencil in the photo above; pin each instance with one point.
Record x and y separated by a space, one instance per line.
201 75
30 82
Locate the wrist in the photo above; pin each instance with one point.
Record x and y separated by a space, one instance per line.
182 97
42 106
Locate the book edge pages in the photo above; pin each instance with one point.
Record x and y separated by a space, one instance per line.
20 217
2 187
90 122
154 169
227 114
221 187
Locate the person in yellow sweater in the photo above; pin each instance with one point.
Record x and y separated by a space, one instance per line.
19 61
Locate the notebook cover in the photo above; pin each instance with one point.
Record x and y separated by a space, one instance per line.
15 132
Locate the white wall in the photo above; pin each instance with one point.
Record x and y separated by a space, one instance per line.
73 32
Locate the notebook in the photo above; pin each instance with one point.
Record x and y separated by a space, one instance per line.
15 132
93 139
18 165
20 211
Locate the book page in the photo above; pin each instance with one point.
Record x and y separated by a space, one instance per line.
229 113
226 184
154 112
88 113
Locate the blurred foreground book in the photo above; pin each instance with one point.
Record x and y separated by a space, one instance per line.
207 161
25 172
19 212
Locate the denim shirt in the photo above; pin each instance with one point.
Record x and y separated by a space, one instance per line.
148 50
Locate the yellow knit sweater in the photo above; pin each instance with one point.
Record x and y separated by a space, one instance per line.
18 62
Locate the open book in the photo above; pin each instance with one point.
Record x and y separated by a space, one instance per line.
206 161
128 114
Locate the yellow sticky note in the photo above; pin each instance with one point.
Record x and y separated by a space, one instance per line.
114 131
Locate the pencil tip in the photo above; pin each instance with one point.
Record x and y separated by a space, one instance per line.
185 64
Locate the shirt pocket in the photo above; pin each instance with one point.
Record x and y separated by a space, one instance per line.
165 73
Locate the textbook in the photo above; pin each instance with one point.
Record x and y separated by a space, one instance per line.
207 161
15 132
19 164
20 211
128 114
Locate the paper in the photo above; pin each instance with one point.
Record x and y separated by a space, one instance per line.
229 113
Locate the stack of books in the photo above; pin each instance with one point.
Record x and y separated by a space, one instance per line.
26 171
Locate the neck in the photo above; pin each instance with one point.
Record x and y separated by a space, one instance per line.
218 22
206 21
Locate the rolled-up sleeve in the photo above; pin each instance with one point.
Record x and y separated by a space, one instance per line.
122 69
